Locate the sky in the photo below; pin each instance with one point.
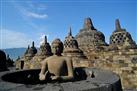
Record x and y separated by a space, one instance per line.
24 21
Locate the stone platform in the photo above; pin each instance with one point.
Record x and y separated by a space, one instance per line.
86 79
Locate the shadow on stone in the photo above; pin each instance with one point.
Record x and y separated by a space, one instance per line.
32 76
86 79
23 77
79 74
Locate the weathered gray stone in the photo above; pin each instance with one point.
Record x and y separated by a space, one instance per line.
121 38
103 81
89 37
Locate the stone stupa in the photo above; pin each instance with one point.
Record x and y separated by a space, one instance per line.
121 39
20 60
90 37
43 52
71 46
23 62
71 49
30 53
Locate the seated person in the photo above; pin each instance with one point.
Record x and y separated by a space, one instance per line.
57 67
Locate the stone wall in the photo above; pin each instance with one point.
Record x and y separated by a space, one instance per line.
122 62
81 62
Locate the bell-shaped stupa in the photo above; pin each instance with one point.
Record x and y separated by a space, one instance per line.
71 46
89 37
71 49
121 38
30 54
43 52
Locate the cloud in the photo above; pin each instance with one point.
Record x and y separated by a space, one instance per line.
13 39
37 6
31 9
32 13
36 15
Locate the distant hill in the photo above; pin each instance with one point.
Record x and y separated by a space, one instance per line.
14 52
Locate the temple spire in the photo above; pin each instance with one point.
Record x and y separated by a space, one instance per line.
33 44
45 39
88 23
28 46
27 50
117 24
70 32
